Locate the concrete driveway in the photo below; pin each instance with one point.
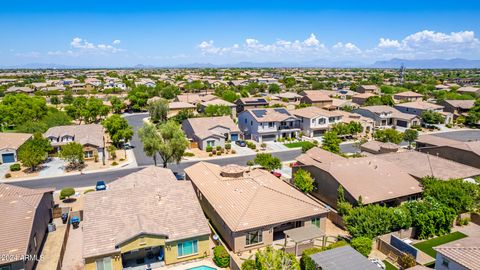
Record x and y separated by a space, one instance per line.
241 151
275 146
4 168
54 167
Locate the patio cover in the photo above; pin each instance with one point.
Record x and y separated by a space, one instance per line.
305 233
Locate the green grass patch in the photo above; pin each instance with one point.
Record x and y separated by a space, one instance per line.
389 266
427 246
296 144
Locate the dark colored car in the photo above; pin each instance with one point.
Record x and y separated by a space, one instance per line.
101 186
241 143
277 174
179 176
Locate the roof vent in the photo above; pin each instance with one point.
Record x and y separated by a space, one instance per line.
232 171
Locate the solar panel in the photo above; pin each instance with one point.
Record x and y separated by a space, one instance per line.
259 113
282 111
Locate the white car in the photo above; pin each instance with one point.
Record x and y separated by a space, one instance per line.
378 263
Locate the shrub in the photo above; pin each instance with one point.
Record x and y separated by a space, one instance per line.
8 175
463 221
362 245
188 154
307 146
15 167
303 180
306 263
122 159
249 264
219 148
88 191
214 152
66 192
263 145
221 257
210 154
233 151
219 153
228 146
114 163
407 261
209 149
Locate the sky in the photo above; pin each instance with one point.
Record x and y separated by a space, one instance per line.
163 33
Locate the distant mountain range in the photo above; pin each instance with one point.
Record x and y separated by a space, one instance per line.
392 63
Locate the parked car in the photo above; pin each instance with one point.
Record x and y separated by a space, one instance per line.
241 143
179 176
277 174
101 186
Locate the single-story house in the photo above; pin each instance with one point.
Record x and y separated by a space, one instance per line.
251 208
467 153
462 254
9 145
366 179
342 258
469 90
420 164
373 89
24 216
316 98
288 96
376 147
147 217
244 104
211 131
360 99
90 136
175 107
457 107
194 98
17 89
386 116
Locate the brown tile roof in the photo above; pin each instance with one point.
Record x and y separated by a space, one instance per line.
83 134
150 201
317 155
204 127
313 112
315 95
252 199
364 95
463 104
473 146
218 102
359 175
408 94
13 140
176 105
465 251
421 105
271 114
17 211
420 164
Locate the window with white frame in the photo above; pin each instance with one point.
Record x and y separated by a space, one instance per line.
187 248
253 238
104 264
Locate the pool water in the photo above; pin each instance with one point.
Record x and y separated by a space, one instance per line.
203 267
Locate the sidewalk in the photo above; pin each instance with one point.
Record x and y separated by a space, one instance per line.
132 163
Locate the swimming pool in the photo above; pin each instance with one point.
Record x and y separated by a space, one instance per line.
203 267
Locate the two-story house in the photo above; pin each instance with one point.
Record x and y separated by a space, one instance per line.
418 107
250 103
316 98
315 121
268 124
386 116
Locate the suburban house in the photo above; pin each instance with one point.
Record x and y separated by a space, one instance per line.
316 98
145 218
386 116
315 121
175 107
367 123
210 131
90 136
250 103
474 91
342 103
145 82
17 89
376 147
194 98
462 254
360 99
465 152
372 89
251 208
457 107
217 102
420 164
366 179
24 216
418 107
288 96
9 145
408 96
268 124
342 258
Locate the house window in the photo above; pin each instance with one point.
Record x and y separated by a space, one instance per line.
211 143
270 124
245 120
5 267
316 221
104 264
321 121
445 262
187 248
251 123
331 119
253 238
88 154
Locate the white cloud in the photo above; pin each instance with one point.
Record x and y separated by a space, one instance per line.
388 43
116 42
80 46
346 48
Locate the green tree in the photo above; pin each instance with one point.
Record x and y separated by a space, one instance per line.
151 140
273 88
72 152
379 100
362 245
269 259
158 110
55 100
249 264
169 92
56 118
16 109
94 110
268 161
182 115
221 256
138 97
331 142
307 146
173 142
410 135
229 95
217 110
67 98
388 135
118 129
351 128
32 127
34 151
432 117
407 261
303 180
117 104
66 192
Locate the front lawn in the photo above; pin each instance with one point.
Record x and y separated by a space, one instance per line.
427 246
389 266
297 144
